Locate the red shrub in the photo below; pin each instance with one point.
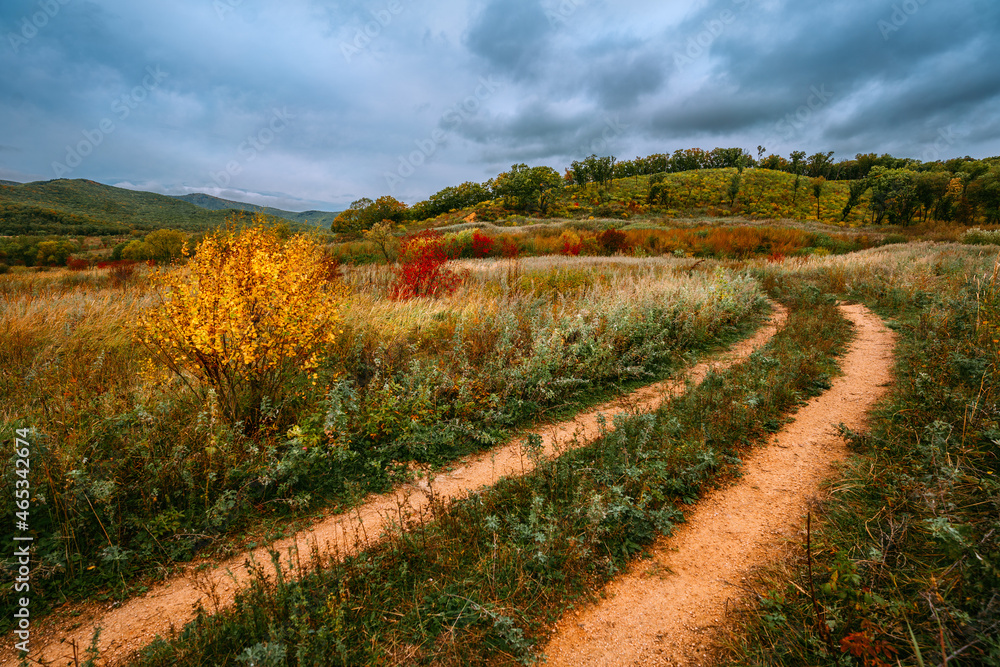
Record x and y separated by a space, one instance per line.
572 244
612 241
121 271
509 248
76 264
482 244
422 270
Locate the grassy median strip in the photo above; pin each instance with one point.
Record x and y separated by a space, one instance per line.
481 579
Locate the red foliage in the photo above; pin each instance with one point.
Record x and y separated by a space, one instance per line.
121 270
572 244
482 244
509 248
76 264
612 241
871 652
110 264
422 270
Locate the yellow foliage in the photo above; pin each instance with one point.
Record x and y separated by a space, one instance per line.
246 311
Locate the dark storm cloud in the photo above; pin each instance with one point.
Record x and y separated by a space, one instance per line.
619 80
510 35
888 68
392 91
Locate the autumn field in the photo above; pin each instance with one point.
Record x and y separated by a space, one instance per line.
188 411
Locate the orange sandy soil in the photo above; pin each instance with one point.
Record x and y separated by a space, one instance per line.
668 609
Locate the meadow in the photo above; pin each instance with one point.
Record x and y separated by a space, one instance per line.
140 464
903 546
135 473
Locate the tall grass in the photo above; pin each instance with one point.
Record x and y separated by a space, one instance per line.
905 558
481 580
133 474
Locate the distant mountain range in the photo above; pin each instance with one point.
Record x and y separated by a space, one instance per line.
318 218
83 207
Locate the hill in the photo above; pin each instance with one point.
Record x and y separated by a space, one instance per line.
83 207
318 218
2 182
761 194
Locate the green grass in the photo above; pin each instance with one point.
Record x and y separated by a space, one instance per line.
905 558
134 475
480 581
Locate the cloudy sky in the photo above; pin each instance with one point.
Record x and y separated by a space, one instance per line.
315 103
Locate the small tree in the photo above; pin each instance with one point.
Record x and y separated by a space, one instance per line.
817 185
526 188
894 195
163 245
365 214
383 236
246 316
796 162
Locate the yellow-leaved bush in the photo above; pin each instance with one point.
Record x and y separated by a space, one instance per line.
245 318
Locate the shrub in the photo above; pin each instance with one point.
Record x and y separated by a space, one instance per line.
509 248
482 244
977 236
249 314
422 270
76 264
120 271
571 242
612 241
458 244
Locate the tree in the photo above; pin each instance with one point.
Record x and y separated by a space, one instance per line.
733 191
931 187
453 198
136 250
526 188
893 195
54 253
382 235
796 161
819 164
987 194
364 213
817 185
856 190
164 245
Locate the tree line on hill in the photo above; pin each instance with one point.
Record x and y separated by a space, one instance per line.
960 189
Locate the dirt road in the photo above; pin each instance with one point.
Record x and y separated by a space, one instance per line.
664 611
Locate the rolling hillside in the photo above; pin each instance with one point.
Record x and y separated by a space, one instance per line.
318 218
83 207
